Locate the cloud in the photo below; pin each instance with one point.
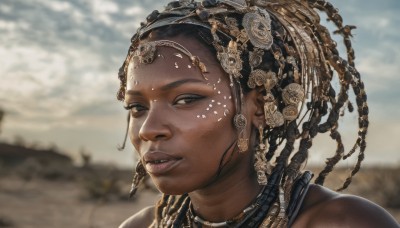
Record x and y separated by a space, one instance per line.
59 63
134 11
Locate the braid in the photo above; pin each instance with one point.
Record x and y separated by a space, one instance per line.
301 52
282 159
161 206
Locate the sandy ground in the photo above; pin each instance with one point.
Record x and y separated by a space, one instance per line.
58 204
47 204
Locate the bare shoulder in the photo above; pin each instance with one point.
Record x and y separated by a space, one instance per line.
325 208
143 218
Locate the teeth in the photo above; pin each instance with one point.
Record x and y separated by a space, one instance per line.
159 161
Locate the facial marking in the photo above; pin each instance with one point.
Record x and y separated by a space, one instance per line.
216 107
179 55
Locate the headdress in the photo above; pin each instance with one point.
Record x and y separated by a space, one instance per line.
280 46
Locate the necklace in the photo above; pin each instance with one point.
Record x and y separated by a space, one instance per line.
237 218
232 221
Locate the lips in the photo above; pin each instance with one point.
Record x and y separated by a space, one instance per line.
158 163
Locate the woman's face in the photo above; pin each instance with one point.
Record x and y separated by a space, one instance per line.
181 123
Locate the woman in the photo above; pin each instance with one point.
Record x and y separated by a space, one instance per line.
225 99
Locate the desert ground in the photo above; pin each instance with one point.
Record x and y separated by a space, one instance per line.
97 197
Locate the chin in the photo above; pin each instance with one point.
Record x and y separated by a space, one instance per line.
170 187
171 190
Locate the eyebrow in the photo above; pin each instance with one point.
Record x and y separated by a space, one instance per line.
179 83
169 85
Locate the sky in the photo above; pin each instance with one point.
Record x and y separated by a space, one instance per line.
59 62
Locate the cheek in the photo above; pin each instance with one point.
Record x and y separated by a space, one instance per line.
220 107
134 127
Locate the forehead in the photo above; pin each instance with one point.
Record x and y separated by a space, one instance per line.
171 64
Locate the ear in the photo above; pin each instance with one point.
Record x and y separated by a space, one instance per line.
254 103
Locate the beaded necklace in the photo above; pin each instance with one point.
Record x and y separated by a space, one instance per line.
196 219
262 213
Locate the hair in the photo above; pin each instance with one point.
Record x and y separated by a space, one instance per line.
322 111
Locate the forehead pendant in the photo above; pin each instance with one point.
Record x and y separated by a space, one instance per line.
147 51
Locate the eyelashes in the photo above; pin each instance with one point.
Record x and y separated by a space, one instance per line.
187 99
134 108
182 101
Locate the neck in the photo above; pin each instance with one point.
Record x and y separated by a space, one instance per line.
227 197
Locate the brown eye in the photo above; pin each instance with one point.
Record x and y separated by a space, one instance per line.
135 108
187 99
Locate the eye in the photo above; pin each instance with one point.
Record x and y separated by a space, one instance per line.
135 108
187 99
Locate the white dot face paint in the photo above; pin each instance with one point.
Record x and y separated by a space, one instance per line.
226 112
216 107
189 66
179 55
176 65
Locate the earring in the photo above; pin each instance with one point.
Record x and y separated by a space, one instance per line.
261 164
140 173
240 122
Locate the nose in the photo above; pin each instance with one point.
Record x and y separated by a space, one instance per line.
155 127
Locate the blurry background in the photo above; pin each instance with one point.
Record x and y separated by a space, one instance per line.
58 80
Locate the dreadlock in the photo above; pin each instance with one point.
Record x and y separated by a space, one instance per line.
296 32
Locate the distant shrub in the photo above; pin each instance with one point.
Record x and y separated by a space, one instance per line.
388 183
101 184
5 222
56 171
29 169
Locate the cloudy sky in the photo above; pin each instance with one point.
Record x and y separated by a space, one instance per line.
59 61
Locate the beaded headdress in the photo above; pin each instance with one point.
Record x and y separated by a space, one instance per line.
281 47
